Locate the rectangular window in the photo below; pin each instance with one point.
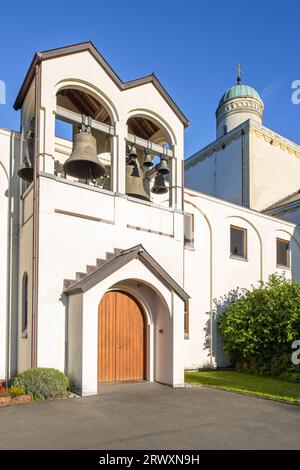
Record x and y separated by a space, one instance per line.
186 321
238 242
283 253
189 230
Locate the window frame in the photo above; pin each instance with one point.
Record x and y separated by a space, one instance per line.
186 321
245 248
24 314
191 244
283 266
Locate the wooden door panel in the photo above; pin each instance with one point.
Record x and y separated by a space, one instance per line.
121 339
106 335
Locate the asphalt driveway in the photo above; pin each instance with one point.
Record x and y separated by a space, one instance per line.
151 416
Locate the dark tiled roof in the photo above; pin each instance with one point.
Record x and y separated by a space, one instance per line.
286 200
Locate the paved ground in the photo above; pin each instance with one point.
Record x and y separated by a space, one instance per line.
151 416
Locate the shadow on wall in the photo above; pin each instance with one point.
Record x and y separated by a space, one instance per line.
213 338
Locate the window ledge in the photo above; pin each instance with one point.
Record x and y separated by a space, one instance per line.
280 266
190 248
238 258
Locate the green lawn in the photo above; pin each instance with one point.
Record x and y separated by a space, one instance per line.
249 384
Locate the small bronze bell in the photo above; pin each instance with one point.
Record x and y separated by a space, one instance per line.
164 167
83 162
26 168
148 159
159 186
132 156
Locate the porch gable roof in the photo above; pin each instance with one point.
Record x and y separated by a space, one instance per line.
120 260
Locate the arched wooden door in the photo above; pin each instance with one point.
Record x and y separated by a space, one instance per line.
121 339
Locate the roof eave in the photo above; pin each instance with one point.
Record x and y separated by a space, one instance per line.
52 53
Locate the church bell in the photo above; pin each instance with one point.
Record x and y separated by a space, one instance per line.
164 165
83 162
159 186
132 156
148 159
26 168
135 180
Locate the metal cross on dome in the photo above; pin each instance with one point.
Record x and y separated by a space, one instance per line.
239 71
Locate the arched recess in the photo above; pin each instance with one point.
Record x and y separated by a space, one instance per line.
150 126
158 322
83 99
211 286
290 235
294 252
90 90
259 239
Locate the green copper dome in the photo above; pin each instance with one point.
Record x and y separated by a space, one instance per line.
239 91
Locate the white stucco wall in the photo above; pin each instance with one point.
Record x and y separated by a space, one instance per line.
274 169
9 206
218 171
207 280
69 243
5 142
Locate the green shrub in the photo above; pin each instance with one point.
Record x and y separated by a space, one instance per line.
261 323
43 382
16 391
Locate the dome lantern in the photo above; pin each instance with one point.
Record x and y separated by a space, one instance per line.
238 104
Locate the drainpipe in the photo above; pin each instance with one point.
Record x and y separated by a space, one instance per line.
35 260
8 264
243 169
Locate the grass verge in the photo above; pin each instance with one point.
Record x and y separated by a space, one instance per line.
231 381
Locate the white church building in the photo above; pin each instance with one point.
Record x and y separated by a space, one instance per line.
113 246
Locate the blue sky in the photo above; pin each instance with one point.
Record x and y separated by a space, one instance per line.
190 45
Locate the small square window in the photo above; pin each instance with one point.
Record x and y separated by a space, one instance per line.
282 253
238 242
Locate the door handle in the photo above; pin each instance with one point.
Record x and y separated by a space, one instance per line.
119 347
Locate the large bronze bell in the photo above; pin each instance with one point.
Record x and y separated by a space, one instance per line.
83 162
26 168
135 186
159 186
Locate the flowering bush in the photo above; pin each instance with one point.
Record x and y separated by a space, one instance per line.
42 382
3 391
15 391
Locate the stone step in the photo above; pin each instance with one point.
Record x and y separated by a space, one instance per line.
100 262
90 269
80 276
68 283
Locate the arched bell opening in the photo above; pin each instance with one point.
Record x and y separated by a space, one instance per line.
148 161
25 169
85 123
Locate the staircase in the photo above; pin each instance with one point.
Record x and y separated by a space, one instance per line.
91 268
